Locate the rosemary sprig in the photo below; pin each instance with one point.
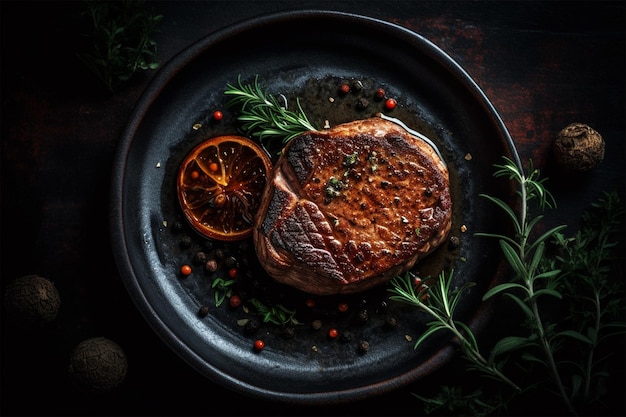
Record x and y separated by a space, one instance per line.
594 312
262 115
578 278
440 302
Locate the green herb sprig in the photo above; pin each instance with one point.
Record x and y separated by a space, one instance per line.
578 278
222 289
262 115
440 302
119 42
277 314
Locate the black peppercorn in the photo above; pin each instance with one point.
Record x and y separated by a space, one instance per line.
364 346
231 262
204 311
200 258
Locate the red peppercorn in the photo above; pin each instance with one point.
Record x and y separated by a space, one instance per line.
232 272
185 270
344 89
310 303
380 94
234 301
259 345
342 307
217 115
333 333
390 104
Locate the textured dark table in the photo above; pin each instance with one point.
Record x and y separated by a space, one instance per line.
542 64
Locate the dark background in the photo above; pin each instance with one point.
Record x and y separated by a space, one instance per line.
543 65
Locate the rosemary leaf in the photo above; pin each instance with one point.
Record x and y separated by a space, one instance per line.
263 117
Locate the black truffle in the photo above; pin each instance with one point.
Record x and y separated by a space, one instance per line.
32 299
578 147
98 364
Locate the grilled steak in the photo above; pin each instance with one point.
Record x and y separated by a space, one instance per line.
350 207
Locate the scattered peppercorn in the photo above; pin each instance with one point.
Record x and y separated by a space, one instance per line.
390 104
362 103
344 88
316 324
211 265
310 302
342 307
203 311
234 301
200 258
185 270
364 346
363 316
578 147
217 115
232 272
259 345
333 333
380 94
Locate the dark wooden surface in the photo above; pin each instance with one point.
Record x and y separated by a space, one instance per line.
542 64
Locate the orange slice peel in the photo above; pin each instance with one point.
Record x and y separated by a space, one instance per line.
220 184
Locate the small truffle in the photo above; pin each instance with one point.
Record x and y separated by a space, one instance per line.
578 147
32 299
98 364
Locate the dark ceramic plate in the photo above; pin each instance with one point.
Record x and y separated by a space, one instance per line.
305 55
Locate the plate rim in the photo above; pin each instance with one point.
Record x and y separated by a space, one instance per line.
118 239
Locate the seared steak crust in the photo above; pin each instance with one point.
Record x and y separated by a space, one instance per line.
350 207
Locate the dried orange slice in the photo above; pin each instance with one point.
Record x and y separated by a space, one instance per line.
220 185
